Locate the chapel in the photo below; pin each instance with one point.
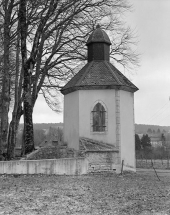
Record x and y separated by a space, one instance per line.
99 105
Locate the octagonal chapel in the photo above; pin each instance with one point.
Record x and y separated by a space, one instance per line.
99 105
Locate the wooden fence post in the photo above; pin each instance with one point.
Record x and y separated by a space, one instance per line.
122 167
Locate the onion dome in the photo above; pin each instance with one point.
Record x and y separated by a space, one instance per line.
98 35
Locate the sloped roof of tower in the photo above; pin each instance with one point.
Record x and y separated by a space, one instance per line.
98 75
98 35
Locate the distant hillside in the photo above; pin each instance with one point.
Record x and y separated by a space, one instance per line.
142 128
139 128
47 125
41 126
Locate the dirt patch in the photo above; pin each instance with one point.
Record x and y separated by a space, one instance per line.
91 194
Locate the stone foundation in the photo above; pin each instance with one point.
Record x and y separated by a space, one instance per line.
99 161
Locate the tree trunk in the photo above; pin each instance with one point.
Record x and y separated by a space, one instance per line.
5 96
27 68
11 141
28 125
23 143
17 111
13 128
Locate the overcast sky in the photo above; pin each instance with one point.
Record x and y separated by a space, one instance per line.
151 21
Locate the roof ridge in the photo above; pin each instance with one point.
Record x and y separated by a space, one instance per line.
121 74
112 73
85 73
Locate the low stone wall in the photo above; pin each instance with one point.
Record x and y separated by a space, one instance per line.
67 166
94 161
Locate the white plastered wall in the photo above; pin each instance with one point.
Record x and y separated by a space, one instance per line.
77 120
127 129
87 100
71 119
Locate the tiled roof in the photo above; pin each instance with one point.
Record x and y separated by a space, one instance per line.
98 35
87 144
98 75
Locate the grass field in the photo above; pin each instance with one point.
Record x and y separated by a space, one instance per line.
104 194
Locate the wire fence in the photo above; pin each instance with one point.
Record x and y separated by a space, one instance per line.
159 157
149 163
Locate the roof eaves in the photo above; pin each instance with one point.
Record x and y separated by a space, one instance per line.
96 87
128 88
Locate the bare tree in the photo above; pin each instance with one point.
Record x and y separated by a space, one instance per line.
7 20
52 39
70 53
17 106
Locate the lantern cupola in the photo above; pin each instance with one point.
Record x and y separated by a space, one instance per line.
98 45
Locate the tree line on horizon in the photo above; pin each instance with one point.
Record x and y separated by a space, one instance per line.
144 129
145 150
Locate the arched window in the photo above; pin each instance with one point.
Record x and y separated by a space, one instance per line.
99 118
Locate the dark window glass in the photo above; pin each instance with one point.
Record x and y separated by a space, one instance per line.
99 116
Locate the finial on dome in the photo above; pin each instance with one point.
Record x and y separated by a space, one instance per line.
97 26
